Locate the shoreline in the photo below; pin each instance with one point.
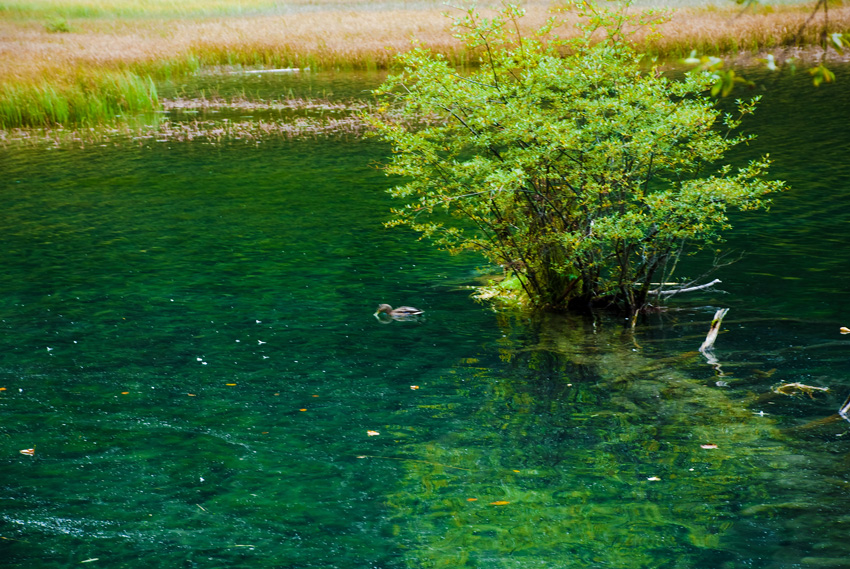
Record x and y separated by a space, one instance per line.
102 67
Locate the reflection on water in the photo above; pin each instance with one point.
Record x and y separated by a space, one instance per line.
190 349
272 86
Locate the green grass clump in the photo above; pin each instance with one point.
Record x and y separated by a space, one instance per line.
57 26
91 99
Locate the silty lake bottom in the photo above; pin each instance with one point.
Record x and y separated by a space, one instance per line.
188 346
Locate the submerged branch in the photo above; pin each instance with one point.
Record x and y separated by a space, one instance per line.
668 293
708 344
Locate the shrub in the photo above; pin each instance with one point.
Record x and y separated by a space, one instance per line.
583 176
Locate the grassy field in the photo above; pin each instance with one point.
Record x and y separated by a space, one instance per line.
87 60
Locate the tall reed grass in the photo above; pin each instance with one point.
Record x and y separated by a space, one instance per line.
92 98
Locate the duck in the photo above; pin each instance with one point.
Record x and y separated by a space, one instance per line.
400 313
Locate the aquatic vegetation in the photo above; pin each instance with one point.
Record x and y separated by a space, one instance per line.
591 453
215 120
164 130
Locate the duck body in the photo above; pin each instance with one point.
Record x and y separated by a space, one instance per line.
400 313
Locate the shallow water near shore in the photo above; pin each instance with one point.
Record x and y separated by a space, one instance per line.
189 349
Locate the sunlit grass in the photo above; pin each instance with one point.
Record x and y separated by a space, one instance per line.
46 46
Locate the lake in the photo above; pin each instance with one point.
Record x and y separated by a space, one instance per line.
189 350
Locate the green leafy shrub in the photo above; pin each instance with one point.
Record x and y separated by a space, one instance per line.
583 176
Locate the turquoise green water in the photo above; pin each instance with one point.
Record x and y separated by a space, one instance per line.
188 345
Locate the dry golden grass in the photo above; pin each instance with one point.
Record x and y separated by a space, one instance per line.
326 39
334 38
728 31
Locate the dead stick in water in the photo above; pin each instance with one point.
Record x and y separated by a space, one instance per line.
708 344
845 409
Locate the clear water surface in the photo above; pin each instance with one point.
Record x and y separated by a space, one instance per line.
188 346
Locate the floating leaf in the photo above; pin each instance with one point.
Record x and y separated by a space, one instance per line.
414 387
653 479
472 499
28 451
302 410
499 503
707 446
230 384
796 388
843 330
373 433
821 74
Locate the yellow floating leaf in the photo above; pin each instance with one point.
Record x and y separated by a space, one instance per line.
499 503
2 389
315 395
302 410
516 470
125 393
414 387
844 330
230 384
707 446
653 479
191 395
472 499
28 451
373 433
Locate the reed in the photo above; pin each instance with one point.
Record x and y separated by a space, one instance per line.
127 45
91 98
